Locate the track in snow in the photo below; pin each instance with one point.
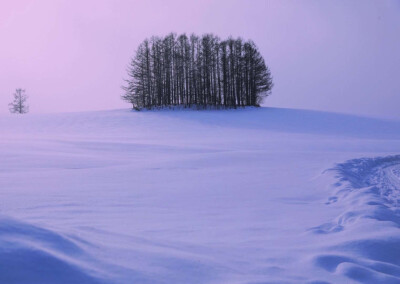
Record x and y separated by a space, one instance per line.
365 238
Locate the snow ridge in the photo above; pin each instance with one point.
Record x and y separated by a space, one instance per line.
38 251
367 235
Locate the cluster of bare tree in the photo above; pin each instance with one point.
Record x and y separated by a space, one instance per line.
197 71
19 103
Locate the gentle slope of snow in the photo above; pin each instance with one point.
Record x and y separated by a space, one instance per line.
261 195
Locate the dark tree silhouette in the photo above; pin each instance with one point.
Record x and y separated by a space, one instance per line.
197 71
19 103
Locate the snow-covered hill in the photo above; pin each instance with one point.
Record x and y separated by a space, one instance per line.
260 195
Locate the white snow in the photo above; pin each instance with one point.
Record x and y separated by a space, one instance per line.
259 195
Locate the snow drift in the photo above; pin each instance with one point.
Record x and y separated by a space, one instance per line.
368 246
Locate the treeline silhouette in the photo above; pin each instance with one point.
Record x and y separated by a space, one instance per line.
197 72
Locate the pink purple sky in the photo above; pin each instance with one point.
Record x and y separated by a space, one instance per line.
327 55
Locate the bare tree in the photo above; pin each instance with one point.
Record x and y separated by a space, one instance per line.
197 71
19 103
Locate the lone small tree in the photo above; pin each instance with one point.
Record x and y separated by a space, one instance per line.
19 104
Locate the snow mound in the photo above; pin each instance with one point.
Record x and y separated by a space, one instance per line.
30 254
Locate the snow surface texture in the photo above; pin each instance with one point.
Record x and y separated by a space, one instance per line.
370 251
260 195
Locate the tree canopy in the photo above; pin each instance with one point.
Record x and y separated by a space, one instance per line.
197 71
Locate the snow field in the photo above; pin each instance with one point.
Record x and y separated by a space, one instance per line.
259 195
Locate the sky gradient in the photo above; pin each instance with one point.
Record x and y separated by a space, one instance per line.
338 56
